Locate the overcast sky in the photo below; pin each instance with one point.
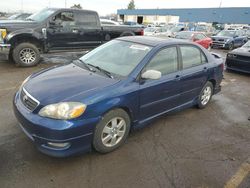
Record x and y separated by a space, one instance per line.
110 6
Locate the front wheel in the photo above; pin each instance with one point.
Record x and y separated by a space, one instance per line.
205 95
112 131
26 55
231 46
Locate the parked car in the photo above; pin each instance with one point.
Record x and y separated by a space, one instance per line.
248 34
196 37
21 16
133 24
229 39
155 31
239 59
119 86
56 29
208 31
172 32
108 22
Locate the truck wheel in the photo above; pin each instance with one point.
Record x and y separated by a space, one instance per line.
112 131
26 55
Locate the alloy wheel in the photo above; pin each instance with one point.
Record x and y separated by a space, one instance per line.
27 55
113 132
206 95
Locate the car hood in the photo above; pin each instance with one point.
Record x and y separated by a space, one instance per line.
241 51
16 24
221 37
64 83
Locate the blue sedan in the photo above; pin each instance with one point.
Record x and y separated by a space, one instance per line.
95 101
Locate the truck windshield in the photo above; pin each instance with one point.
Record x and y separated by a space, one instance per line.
117 57
41 16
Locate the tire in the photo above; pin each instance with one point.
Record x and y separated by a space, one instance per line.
107 131
231 46
26 55
205 95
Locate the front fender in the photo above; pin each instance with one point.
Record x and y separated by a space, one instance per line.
24 33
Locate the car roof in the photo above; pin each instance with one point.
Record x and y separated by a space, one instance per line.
153 41
72 9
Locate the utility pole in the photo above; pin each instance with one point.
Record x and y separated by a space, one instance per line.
21 5
220 4
65 3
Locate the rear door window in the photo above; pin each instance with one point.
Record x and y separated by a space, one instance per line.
192 56
87 20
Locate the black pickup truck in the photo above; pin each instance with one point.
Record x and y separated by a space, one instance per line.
55 29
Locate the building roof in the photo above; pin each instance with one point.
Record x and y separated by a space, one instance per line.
239 15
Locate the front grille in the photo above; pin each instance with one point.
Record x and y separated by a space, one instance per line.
242 58
28 101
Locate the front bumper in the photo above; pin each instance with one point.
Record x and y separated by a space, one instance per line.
4 51
219 44
239 65
42 131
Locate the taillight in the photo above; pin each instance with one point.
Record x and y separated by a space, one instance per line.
141 32
222 66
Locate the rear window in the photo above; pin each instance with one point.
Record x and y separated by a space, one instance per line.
87 20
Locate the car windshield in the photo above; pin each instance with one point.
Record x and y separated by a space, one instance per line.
201 28
184 35
247 45
150 30
117 57
176 29
42 15
13 17
226 33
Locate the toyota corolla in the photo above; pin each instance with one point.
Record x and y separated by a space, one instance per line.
95 101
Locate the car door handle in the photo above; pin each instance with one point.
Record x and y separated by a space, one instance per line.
204 69
177 77
75 30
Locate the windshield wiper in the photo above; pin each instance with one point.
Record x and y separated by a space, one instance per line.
29 19
85 65
107 73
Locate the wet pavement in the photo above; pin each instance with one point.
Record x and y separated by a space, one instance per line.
206 148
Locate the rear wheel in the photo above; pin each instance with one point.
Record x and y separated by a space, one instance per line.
112 131
26 55
205 95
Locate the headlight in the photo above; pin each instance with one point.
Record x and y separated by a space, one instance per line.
26 80
63 110
230 55
3 33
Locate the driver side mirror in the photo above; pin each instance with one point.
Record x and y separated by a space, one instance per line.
151 74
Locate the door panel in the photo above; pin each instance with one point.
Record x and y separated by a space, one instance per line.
194 73
90 33
157 96
61 31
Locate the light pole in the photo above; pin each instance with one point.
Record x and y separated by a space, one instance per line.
21 5
65 3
